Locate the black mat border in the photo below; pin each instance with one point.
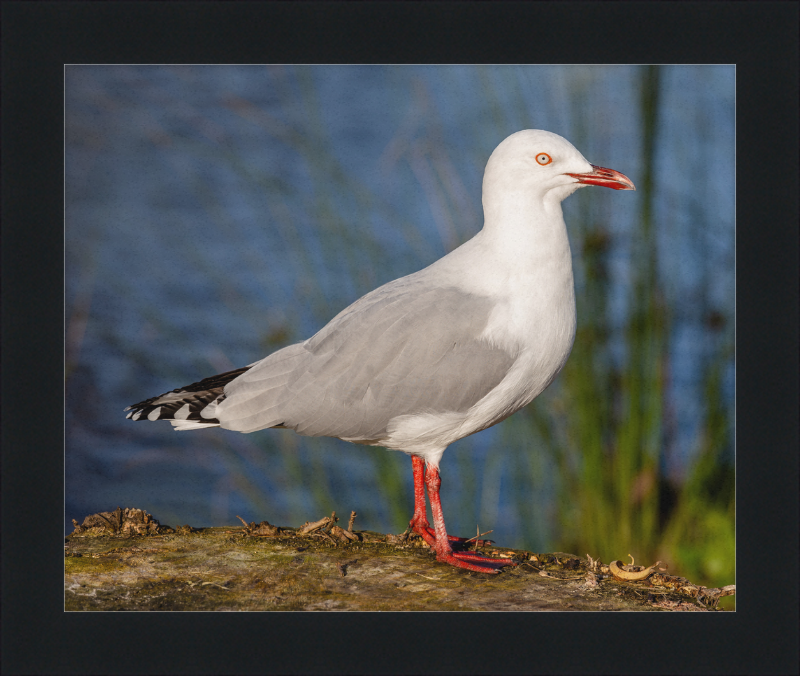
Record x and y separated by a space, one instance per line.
761 38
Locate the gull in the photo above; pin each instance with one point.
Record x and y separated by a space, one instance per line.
435 356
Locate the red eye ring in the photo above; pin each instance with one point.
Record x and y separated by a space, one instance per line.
544 158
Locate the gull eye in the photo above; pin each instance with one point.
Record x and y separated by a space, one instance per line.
544 158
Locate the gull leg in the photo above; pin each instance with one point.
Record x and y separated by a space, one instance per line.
419 522
444 552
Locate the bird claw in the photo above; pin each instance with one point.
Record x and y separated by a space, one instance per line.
474 562
429 535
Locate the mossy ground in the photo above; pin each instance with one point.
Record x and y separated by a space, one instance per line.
222 569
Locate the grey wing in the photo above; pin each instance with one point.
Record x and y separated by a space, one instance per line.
399 350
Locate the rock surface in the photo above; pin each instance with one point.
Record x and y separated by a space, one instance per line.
268 568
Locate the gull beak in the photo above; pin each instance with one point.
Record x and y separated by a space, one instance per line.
607 178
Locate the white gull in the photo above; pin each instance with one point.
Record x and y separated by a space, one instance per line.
433 357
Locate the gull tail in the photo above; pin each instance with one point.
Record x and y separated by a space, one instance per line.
183 407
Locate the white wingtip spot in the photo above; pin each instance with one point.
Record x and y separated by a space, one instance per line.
183 412
127 417
210 411
137 415
153 415
127 408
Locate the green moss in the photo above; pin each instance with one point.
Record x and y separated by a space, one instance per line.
216 569
89 564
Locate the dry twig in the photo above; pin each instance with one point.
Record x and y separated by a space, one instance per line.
316 525
476 538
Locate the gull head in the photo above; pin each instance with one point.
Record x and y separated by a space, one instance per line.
539 165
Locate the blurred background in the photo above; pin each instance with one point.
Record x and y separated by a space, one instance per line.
217 213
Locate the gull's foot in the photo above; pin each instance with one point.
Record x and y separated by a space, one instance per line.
426 532
474 562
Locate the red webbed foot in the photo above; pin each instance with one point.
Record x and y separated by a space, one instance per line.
429 535
474 562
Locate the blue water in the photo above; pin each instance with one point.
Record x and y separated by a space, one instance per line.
214 214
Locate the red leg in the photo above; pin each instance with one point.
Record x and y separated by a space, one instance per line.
419 522
444 552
